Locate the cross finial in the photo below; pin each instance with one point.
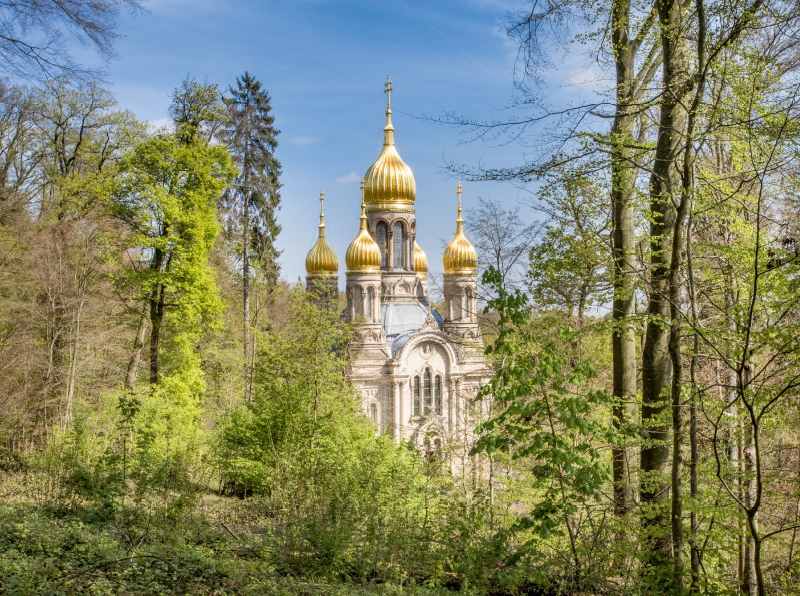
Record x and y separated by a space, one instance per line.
363 205
321 212
388 91
459 220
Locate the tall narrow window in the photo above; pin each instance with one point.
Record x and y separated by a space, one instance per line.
373 413
358 301
382 236
437 395
398 246
426 392
368 305
416 396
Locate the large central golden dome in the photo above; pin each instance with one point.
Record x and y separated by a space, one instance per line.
390 184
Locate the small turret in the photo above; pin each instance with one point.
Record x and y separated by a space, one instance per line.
322 264
461 282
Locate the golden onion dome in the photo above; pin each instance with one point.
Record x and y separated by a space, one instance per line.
321 259
390 184
460 257
420 260
363 254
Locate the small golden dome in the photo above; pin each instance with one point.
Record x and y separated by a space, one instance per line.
321 259
363 254
460 257
420 260
390 184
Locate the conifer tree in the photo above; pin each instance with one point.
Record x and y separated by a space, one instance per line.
254 197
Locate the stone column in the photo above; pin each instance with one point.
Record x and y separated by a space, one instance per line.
401 410
396 392
390 248
460 413
447 396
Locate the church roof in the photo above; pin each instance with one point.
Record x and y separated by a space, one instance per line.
401 320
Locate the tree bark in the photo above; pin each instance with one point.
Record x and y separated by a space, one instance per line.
156 318
657 359
246 279
623 239
136 355
156 306
752 577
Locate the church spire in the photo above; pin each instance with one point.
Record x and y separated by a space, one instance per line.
459 220
363 254
460 257
321 213
321 259
388 130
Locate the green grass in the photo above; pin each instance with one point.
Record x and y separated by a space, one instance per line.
49 551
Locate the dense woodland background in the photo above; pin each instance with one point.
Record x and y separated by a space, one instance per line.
175 418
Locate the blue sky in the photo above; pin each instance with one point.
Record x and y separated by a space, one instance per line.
324 63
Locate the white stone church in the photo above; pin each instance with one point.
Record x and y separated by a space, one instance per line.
418 370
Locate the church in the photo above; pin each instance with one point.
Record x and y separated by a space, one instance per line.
418 370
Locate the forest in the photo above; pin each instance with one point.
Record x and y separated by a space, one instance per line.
174 417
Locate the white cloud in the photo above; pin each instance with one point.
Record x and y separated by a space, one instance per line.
351 177
303 141
161 123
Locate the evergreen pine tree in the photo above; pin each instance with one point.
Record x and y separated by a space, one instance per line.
254 197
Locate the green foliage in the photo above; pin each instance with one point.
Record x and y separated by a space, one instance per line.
542 419
255 197
568 265
166 194
335 491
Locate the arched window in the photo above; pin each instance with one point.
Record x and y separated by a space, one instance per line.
381 237
426 392
470 306
437 395
416 396
457 310
368 305
373 413
358 301
398 246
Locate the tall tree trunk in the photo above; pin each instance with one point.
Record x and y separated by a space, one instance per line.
136 354
623 173
657 359
246 280
752 580
156 318
156 306
694 448
72 369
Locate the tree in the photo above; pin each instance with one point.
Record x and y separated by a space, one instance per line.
34 34
254 198
623 33
197 111
570 265
502 239
82 135
167 195
542 417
